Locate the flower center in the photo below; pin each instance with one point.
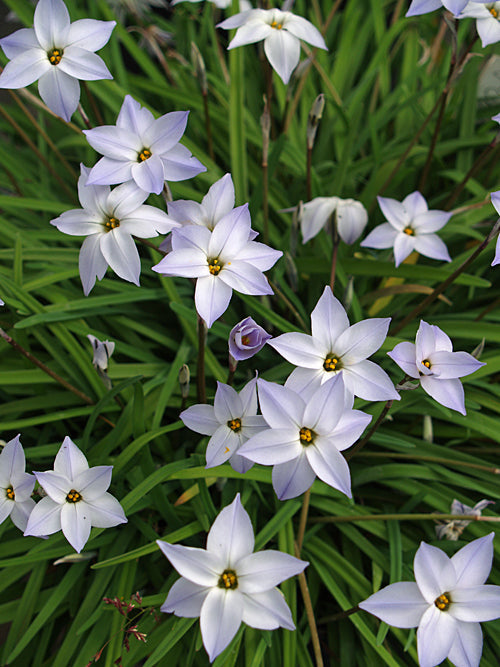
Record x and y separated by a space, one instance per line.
111 223
214 266
278 26
228 580
443 602
9 492
331 363
234 425
73 497
493 12
245 340
55 56
409 231
426 363
144 155
306 436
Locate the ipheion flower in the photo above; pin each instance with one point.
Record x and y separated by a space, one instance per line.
16 485
281 32
227 583
57 53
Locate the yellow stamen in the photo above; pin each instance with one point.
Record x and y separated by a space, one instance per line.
111 223
228 580
443 602
10 493
145 154
245 340
409 231
55 56
276 25
494 12
330 363
306 436
214 267
73 497
426 363
234 424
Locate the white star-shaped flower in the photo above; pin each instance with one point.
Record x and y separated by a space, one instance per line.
350 217
431 360
227 583
281 32
447 603
16 485
424 6
231 421
410 226
495 200
109 219
76 499
487 20
305 437
221 260
57 53
142 148
334 347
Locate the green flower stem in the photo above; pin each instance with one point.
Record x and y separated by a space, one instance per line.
446 283
336 241
303 520
359 445
84 116
434 516
237 139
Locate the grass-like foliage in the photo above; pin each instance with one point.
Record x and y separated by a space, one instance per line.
408 104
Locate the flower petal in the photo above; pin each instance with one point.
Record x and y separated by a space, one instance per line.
91 262
283 52
403 246
45 518
185 599
108 171
382 236
149 174
221 446
472 563
75 524
292 478
450 365
113 142
325 407
105 511
211 297
362 339
306 31
135 119
282 408
90 34
60 92
467 646
272 446
395 212
435 636
449 393
328 321
300 349
82 64
19 42
197 565
227 404
220 618
70 460
92 483
120 252
477 603
432 246
25 68
404 354
367 380
6 507
56 485
245 278
51 23
21 513
415 204
12 461
231 535
434 572
400 604
262 571
253 31
201 419
351 425
329 465
219 200
179 164
165 132
267 611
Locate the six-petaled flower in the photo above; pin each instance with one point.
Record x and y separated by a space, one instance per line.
16 485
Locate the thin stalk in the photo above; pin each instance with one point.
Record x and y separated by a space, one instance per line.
336 241
441 288
288 304
303 520
208 126
42 133
310 614
200 368
84 116
435 516
309 151
339 616
95 107
230 377
432 147
367 437
265 123
39 155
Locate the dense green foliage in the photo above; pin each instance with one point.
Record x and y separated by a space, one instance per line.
382 76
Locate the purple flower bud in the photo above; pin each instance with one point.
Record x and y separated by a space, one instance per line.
246 339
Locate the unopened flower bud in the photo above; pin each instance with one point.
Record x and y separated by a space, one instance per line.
246 339
199 66
314 117
184 379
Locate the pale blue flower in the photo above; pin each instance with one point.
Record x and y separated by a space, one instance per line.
227 583
447 603
246 339
425 6
16 485
487 20
57 53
